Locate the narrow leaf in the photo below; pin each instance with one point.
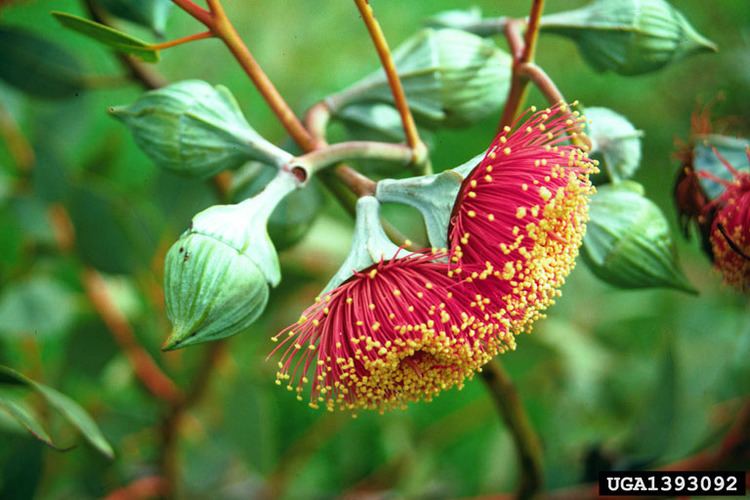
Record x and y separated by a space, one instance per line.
68 408
110 37
24 417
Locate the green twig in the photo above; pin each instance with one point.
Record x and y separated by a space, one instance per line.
528 448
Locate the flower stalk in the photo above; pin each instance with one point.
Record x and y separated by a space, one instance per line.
324 157
183 40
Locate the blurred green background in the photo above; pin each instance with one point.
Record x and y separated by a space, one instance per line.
611 378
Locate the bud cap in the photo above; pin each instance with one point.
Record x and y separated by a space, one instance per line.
733 149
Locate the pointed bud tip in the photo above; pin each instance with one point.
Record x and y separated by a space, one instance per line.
117 111
177 339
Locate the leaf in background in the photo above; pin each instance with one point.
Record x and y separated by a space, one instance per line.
22 468
37 66
39 306
30 422
112 38
733 149
628 243
11 243
31 215
149 13
68 408
112 235
652 435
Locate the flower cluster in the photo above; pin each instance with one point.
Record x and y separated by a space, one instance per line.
398 331
730 227
408 327
521 217
715 194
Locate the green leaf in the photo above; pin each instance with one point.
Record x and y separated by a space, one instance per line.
30 422
68 408
628 243
117 40
38 306
149 13
38 67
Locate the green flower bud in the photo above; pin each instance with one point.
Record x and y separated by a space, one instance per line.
628 243
615 142
217 274
195 129
451 78
629 37
370 244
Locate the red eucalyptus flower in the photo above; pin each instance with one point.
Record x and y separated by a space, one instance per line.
399 331
520 216
730 229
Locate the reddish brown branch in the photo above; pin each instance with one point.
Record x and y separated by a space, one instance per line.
144 367
391 73
523 52
145 487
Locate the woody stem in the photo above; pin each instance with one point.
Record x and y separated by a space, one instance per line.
216 20
185 39
523 52
321 158
386 60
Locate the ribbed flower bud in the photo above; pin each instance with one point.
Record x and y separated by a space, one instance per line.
628 242
195 129
629 37
217 274
451 78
